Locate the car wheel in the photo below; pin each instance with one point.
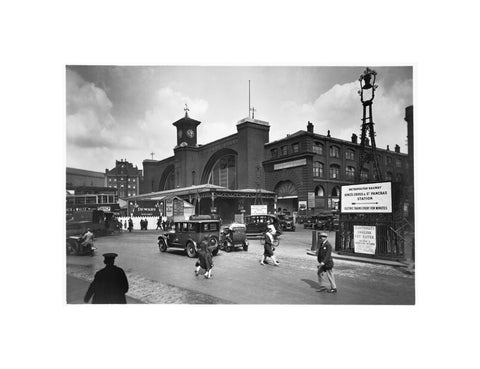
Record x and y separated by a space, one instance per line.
245 247
228 248
215 252
191 252
162 245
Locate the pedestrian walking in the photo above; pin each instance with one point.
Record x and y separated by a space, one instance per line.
326 278
130 224
145 223
109 285
205 259
125 224
159 224
268 246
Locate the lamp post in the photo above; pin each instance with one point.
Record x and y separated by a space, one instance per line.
367 94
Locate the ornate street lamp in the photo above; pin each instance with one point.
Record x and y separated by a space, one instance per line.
367 94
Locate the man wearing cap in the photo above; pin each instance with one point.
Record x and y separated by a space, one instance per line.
325 269
109 285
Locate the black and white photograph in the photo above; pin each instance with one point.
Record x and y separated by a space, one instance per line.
239 184
283 185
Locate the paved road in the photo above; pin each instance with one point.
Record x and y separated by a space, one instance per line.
239 278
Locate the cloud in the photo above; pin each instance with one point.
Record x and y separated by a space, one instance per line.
89 118
339 110
155 128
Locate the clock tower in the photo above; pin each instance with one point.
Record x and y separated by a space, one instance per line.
186 130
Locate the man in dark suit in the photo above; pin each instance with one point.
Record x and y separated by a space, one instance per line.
109 285
325 268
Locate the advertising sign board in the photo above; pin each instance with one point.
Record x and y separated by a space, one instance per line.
258 209
311 199
169 208
365 239
147 208
367 198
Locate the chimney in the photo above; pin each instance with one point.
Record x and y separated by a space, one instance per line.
388 147
328 133
310 127
354 138
397 149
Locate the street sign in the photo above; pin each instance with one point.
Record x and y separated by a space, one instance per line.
367 198
365 239
258 209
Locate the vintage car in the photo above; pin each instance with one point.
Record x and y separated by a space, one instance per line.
327 222
188 234
286 223
257 224
234 236
310 222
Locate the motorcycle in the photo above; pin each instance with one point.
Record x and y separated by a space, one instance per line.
74 247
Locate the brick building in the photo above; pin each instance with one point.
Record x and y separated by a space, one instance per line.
309 168
303 168
125 178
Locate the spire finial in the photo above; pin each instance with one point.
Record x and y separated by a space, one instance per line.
186 110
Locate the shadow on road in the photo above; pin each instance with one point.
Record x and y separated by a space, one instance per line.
312 284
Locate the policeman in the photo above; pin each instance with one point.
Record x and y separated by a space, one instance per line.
109 285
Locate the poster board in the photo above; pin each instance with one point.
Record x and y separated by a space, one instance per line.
367 198
365 239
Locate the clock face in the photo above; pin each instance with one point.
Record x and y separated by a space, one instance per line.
190 133
180 133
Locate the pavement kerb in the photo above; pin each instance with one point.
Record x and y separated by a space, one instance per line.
360 259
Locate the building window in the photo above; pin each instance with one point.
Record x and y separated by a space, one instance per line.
319 192
224 172
121 178
388 160
110 180
398 163
350 173
274 153
388 177
295 147
336 191
350 155
399 177
284 150
334 171
317 169
334 152
318 148
364 174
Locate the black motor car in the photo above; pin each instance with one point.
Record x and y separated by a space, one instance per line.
188 234
257 224
286 223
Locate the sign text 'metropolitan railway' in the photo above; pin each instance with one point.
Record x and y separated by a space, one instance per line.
367 198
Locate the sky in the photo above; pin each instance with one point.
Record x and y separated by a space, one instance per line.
126 112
